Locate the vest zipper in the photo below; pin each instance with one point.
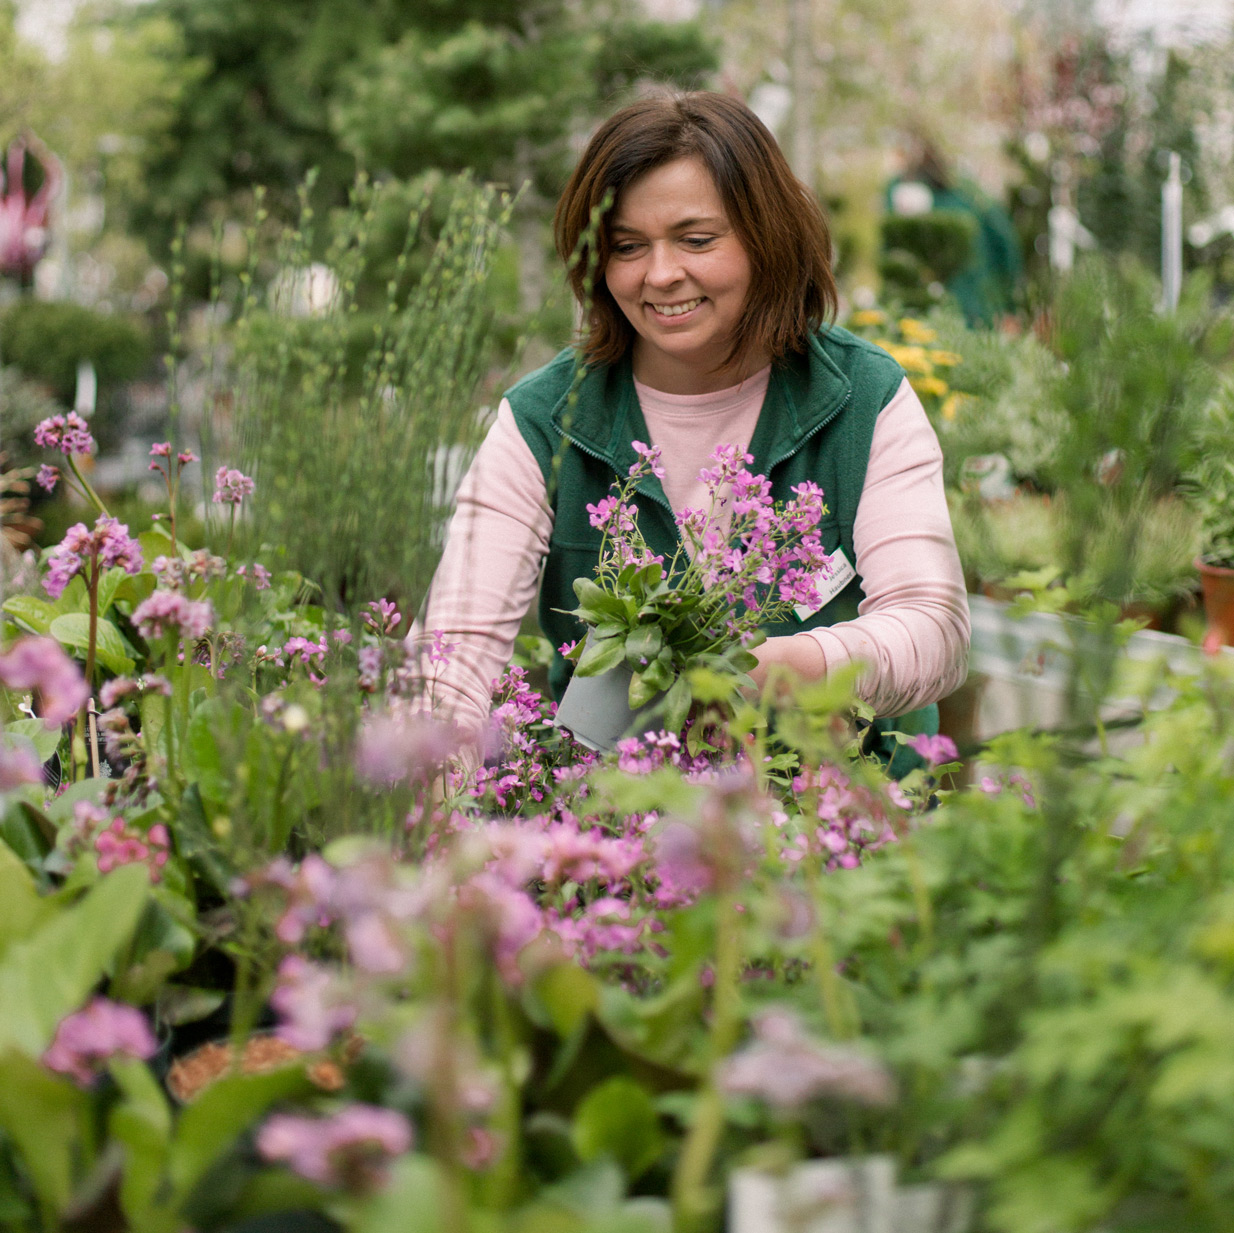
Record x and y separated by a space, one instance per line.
816 429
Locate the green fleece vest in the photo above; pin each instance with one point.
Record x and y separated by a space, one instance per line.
816 423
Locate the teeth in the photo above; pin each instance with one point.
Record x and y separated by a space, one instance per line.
675 310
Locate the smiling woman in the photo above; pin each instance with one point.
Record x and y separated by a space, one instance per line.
707 326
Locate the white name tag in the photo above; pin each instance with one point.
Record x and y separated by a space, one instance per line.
829 582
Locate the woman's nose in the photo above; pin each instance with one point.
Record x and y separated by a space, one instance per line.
664 266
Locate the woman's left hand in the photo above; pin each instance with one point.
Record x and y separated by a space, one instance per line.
796 655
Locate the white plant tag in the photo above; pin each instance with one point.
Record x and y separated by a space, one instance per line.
829 583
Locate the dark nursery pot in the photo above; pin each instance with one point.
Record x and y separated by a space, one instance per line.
1218 584
596 709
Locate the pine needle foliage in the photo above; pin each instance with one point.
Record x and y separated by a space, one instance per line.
357 425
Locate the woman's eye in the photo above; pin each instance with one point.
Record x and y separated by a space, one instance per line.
625 249
698 241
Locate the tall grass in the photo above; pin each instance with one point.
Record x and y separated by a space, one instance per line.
357 421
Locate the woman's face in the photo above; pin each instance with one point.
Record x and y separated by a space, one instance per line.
680 275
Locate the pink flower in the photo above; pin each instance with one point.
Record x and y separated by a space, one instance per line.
104 1029
349 1149
161 450
786 1068
69 434
441 650
935 749
169 612
231 486
18 766
48 477
391 748
648 460
40 664
311 1003
383 616
119 843
108 544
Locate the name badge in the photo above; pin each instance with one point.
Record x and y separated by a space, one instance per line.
829 582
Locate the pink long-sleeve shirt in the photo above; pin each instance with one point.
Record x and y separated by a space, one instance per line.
912 628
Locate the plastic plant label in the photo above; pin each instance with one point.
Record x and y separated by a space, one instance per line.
829 582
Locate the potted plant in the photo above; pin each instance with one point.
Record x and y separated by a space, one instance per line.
743 562
1210 486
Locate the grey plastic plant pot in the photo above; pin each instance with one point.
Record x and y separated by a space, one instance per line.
597 712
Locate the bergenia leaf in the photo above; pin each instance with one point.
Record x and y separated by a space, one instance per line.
677 705
641 691
643 645
601 655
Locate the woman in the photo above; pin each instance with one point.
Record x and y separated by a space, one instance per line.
706 327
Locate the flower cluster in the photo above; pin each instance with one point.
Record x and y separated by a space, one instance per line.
231 486
169 612
786 1068
87 1040
842 818
107 545
69 434
40 664
350 1148
116 842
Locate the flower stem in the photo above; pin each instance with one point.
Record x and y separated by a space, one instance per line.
86 486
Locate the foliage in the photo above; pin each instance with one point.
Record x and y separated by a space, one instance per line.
1210 482
923 250
46 339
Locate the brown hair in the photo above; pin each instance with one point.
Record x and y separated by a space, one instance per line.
779 222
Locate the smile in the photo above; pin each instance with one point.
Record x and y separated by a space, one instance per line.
676 310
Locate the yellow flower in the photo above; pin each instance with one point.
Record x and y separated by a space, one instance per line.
929 385
947 359
915 331
867 316
952 403
911 359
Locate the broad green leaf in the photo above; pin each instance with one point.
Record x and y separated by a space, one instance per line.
213 1122
410 1202
74 597
641 690
27 832
133 589
618 1119
72 631
51 973
597 599
109 584
34 613
21 908
677 704
601 655
215 744
44 739
643 645
142 1124
569 993
60 811
42 1114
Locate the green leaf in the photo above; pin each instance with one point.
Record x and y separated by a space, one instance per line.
618 1119
142 1123
641 691
42 1114
51 973
34 613
601 655
72 631
27 832
109 584
44 739
408 1203
569 993
216 738
597 600
643 645
213 1122
21 908
677 704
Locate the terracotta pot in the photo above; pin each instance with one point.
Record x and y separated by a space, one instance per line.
1218 584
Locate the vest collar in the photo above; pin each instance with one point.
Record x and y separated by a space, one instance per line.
805 392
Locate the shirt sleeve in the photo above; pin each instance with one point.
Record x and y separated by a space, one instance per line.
487 578
912 630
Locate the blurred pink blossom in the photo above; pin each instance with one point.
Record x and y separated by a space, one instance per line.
87 1039
349 1149
39 663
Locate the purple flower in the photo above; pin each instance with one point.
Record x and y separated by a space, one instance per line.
395 747
312 1005
935 749
383 616
786 1068
231 486
39 663
107 545
18 766
441 650
349 1149
48 477
648 460
169 612
69 434
87 1039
